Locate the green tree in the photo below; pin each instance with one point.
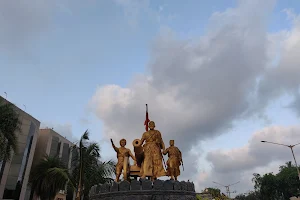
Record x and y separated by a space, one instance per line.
214 192
89 170
48 177
51 175
269 187
288 181
201 198
241 197
9 125
283 185
250 196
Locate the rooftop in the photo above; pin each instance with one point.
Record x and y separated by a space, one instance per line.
19 109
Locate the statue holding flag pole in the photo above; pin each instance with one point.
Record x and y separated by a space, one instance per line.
148 151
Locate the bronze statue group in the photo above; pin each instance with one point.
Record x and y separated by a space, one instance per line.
148 158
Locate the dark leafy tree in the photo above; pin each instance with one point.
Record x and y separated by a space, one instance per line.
89 170
288 181
48 177
9 125
51 175
215 192
250 196
282 185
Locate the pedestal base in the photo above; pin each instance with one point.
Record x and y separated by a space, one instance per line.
144 190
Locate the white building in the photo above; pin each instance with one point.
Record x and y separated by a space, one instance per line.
14 173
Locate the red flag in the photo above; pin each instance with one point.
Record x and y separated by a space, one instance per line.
147 120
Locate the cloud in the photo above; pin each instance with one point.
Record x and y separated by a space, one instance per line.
256 154
279 78
283 79
62 129
197 88
295 104
200 86
239 164
194 88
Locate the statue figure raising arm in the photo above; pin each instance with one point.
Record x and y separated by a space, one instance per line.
123 159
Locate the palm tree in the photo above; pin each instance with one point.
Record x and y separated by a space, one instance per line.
48 177
9 124
89 169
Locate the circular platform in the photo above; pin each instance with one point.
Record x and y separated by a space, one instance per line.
144 190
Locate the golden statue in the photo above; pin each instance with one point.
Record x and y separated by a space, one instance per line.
151 156
174 161
123 159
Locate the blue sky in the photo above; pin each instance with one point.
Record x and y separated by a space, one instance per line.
62 66
55 65
58 70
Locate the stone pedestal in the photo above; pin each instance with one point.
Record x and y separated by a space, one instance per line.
144 190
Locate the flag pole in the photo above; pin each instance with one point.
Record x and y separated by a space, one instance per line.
147 119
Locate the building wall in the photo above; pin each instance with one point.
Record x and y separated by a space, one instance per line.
16 171
33 145
41 148
65 155
53 144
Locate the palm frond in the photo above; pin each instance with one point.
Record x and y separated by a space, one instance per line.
108 168
48 177
94 171
85 135
93 149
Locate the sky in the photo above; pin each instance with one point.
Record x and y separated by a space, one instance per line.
218 76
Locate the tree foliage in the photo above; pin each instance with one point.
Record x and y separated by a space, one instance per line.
214 192
9 125
283 185
51 175
48 177
253 195
87 157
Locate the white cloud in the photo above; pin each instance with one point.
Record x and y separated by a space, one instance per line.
196 89
204 99
255 157
62 129
284 78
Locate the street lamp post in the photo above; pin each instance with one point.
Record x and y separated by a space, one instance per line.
291 148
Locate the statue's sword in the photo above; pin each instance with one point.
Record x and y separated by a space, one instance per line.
163 161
